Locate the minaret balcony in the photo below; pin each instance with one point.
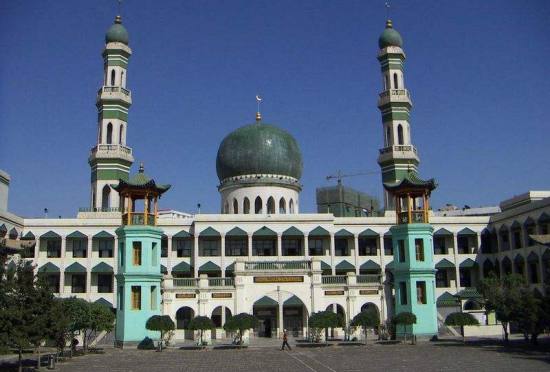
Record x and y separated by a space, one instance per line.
111 93
112 152
398 152
394 95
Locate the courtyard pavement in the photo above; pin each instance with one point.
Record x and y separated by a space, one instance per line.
440 356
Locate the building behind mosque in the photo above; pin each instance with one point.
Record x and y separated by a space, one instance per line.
260 254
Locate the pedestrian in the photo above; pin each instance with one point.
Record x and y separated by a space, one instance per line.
285 340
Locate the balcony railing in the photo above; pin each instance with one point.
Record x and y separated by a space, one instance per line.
109 209
109 89
186 282
398 148
368 279
138 218
396 95
221 282
416 217
277 265
334 279
115 149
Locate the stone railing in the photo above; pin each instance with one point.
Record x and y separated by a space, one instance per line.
109 209
110 89
339 280
398 148
394 95
334 279
221 282
277 265
185 282
368 279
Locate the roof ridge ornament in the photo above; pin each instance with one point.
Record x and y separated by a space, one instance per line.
259 100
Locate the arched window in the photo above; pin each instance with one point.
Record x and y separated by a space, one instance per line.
400 134
235 206
291 206
388 136
106 197
395 82
282 206
271 205
109 133
121 134
258 205
113 77
246 206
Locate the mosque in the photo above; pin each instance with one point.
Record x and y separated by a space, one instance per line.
260 255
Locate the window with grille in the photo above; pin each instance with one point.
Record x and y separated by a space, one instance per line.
136 253
209 247
315 246
136 297
79 248
421 293
419 248
236 247
183 247
105 248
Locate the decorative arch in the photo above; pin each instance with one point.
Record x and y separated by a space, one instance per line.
235 206
282 206
291 206
106 197
109 133
120 134
217 315
388 136
258 205
400 140
246 206
370 307
184 316
113 76
271 205
395 81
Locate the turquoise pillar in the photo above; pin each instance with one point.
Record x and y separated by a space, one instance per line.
414 277
138 282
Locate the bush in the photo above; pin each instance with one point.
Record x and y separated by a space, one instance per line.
460 320
162 324
405 318
201 323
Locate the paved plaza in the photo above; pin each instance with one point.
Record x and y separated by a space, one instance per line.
447 356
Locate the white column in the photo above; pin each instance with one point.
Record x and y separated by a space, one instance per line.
88 269
222 260
249 247
63 247
332 254
478 243
169 257
306 246
279 246
457 273
195 256
37 249
356 252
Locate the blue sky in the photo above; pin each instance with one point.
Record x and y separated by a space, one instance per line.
477 71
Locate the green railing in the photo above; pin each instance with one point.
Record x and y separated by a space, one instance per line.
277 265
221 282
334 279
368 279
185 282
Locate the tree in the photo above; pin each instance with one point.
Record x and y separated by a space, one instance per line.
60 325
240 322
201 323
405 318
503 296
367 319
460 320
78 312
325 320
101 319
160 323
25 303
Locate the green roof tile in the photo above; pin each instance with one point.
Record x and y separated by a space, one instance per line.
293 301
292 231
75 268
319 231
77 235
182 234
265 231
104 302
467 231
50 235
447 299
343 233
237 232
369 265
48 268
209 232
444 264
103 235
209 267
443 232
102 267
468 263
182 267
368 233
266 301
345 265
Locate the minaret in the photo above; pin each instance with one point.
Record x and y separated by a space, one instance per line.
110 159
398 156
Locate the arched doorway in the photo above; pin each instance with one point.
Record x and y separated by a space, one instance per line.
370 307
219 316
295 316
266 310
338 309
183 317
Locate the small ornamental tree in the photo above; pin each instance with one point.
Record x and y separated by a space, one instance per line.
101 319
240 323
59 329
460 320
325 320
368 319
78 312
503 296
160 323
201 323
405 319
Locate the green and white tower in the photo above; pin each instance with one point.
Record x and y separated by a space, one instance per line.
138 276
398 156
110 159
413 264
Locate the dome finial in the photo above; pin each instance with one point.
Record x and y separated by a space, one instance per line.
388 20
118 18
141 168
258 114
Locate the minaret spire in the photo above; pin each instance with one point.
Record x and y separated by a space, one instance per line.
259 100
111 158
398 156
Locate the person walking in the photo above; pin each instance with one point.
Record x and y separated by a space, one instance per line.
285 341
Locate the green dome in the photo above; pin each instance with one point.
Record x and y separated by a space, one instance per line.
390 37
117 33
259 149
